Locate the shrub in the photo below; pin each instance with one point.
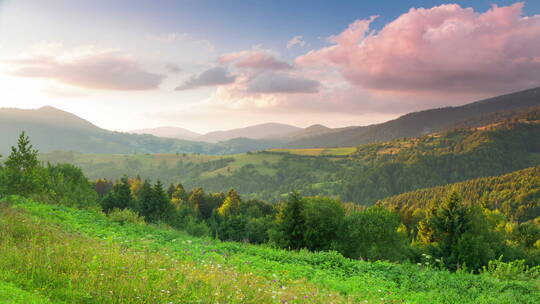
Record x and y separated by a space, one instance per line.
514 270
197 228
123 216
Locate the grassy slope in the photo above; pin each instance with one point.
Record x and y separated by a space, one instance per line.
318 151
11 294
318 276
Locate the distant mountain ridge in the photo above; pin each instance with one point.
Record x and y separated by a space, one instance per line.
169 132
419 123
260 131
51 129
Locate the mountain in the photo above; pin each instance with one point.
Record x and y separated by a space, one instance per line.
419 123
261 131
51 129
169 132
310 131
363 174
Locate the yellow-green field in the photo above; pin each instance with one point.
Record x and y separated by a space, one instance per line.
319 151
259 161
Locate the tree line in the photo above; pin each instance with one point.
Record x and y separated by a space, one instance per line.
454 234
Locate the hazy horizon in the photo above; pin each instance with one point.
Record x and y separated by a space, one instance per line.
209 65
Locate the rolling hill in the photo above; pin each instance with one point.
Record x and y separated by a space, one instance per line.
261 131
51 129
169 132
420 123
516 194
363 174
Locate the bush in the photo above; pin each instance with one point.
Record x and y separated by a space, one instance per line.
197 228
514 270
123 216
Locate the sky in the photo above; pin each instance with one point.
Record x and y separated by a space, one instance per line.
214 65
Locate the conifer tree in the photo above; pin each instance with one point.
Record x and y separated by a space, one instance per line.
449 223
290 223
119 197
23 173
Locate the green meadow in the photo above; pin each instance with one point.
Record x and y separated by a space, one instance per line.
55 254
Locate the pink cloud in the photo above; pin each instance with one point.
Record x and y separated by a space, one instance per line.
254 59
439 50
91 69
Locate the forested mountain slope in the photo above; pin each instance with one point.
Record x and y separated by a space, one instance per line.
419 123
362 175
516 194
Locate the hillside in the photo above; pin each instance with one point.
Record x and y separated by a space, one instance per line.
54 130
169 132
516 194
261 131
361 174
419 123
103 261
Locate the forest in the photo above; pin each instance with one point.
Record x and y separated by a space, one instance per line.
461 231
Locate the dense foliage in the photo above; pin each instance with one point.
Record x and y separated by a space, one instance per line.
459 235
165 266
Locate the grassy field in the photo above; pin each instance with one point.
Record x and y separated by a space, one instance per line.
11 294
77 256
319 151
147 162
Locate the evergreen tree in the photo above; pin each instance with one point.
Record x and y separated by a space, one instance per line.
449 223
23 173
119 197
155 204
162 204
146 197
290 225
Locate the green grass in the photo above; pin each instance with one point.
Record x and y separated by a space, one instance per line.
11 294
41 260
322 277
259 161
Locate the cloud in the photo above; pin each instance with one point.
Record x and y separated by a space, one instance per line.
444 49
173 67
268 83
296 40
88 68
254 59
212 77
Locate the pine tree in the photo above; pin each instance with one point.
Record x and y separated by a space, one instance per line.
290 223
449 223
162 204
146 199
154 202
23 173
119 197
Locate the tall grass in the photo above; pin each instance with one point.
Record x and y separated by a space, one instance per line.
192 269
37 256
